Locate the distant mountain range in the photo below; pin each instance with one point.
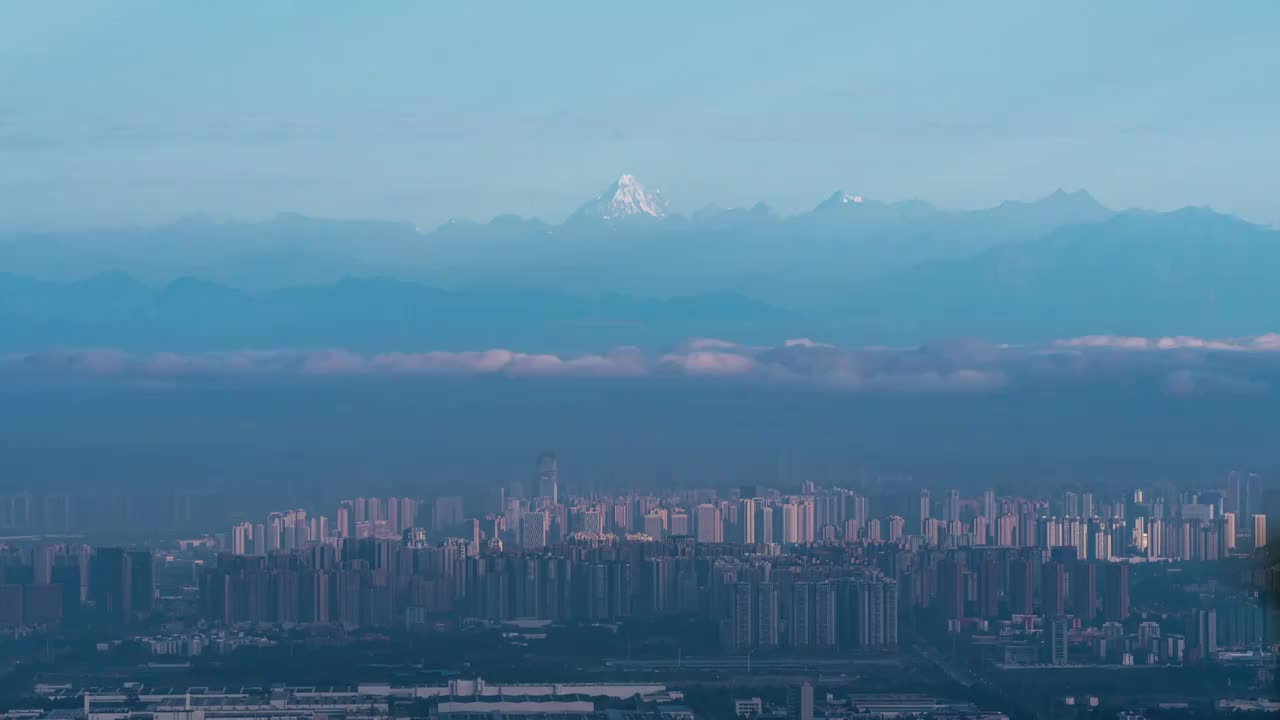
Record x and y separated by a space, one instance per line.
851 270
624 240
373 314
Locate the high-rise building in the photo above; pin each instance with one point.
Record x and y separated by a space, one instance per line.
800 702
1233 494
549 478
744 617
1259 529
1057 640
533 529
858 509
1084 590
344 520
923 511
242 538
1053 589
951 507
980 530
897 528
655 525
710 524
951 589
259 540
747 521
678 524
393 516
767 616
1202 632
1116 606
800 622
988 588
1071 505
446 513
764 524
109 584
825 615
790 523
1020 586
409 512
1006 530
805 520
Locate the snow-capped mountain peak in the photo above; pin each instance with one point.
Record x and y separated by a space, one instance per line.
843 198
625 198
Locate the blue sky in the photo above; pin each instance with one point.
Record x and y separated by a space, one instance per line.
139 112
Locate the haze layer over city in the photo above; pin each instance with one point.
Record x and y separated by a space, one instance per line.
661 361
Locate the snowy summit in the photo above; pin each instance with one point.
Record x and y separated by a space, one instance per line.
625 198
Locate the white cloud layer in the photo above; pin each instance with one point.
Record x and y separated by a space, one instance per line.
1198 366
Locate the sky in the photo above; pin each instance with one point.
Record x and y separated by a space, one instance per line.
141 112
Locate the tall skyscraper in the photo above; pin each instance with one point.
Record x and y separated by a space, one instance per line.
408 513
549 478
393 516
533 530
768 616
109 583
678 524
764 524
1053 589
1070 505
1116 606
1020 586
747 521
951 589
951 507
1084 591
344 520
241 539
923 511
790 523
141 577
259 540
710 524
1057 640
446 513
1233 493
1006 529
655 525
988 588
1202 632
744 618
825 615
800 702
897 528
800 621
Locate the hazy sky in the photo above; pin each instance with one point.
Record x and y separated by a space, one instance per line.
421 111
